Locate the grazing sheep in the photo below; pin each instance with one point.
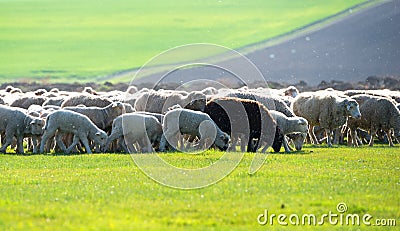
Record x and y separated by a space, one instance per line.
193 123
86 99
64 121
27 100
377 113
136 127
243 118
160 101
325 109
14 122
101 117
289 125
272 103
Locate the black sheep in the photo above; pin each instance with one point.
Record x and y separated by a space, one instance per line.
243 117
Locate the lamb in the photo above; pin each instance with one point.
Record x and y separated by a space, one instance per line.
101 117
243 118
159 102
136 127
193 123
64 121
378 113
86 99
289 125
14 122
325 109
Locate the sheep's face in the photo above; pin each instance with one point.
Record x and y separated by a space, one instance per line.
197 101
298 140
100 138
352 108
222 141
36 126
303 125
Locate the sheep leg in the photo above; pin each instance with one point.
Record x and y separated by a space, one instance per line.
285 144
353 134
129 144
111 138
232 147
329 138
243 142
35 140
8 141
163 143
314 139
47 134
371 141
389 136
20 146
145 145
336 136
60 143
169 138
121 142
85 142
265 148
75 141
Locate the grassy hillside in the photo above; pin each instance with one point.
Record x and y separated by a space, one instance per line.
108 192
71 40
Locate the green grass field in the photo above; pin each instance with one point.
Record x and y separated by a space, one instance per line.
108 191
71 40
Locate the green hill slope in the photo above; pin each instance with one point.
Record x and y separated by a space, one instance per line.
63 41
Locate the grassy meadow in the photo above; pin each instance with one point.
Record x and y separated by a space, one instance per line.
78 41
109 192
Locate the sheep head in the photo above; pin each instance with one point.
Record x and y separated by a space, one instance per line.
36 126
196 101
100 138
351 107
222 141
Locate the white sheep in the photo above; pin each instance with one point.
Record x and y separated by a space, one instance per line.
136 127
86 99
64 121
14 122
193 123
377 113
160 101
102 117
289 125
325 109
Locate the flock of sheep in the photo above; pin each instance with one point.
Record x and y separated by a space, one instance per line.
167 120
